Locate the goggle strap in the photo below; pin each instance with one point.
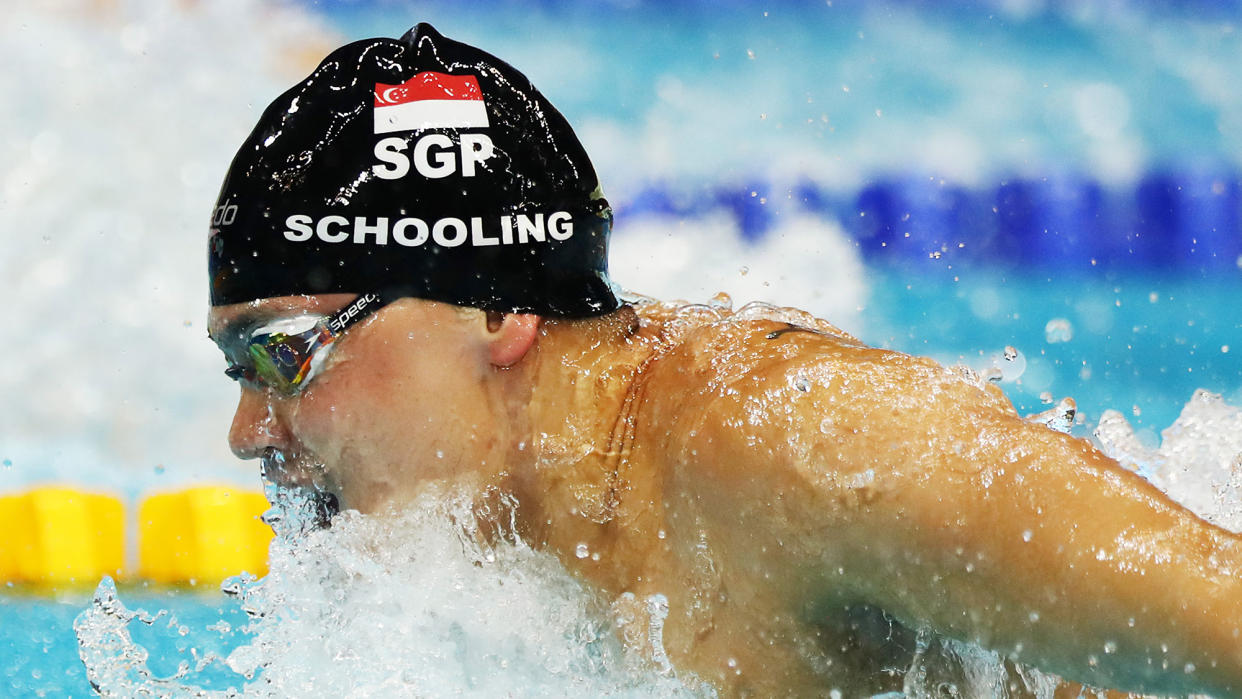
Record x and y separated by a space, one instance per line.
362 306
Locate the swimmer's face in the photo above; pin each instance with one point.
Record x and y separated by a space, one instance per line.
406 397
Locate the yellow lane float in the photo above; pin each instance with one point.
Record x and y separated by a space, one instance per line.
202 535
58 536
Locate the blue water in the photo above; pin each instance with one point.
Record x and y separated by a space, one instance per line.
39 653
870 86
1140 340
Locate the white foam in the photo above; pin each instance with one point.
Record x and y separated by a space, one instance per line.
804 261
1198 462
416 604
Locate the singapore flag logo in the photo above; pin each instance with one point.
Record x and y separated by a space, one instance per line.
430 100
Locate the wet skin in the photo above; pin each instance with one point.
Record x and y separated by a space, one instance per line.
777 481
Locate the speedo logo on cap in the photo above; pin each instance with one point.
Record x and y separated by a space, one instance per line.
430 100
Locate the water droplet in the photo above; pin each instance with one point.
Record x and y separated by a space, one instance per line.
825 425
1026 535
1058 330
439 453
1045 397
1110 647
802 384
582 551
1059 417
595 556
1007 365
750 54
732 662
1033 616
1190 667
661 534
744 270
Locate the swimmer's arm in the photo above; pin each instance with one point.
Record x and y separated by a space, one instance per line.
896 484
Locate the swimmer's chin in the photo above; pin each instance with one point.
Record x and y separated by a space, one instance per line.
293 478
287 471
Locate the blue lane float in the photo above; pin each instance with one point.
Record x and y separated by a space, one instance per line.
913 219
1188 218
1052 222
750 206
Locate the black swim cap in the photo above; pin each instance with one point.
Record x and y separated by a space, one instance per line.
414 167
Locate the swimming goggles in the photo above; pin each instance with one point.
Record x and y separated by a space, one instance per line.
285 354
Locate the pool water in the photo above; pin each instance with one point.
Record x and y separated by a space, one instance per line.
39 651
1136 343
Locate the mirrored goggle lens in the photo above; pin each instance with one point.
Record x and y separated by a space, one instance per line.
285 359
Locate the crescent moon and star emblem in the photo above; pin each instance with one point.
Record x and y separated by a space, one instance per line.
392 94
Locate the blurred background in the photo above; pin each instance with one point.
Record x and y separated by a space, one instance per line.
946 179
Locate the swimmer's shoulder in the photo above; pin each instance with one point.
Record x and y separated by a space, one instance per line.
718 345
715 360
709 354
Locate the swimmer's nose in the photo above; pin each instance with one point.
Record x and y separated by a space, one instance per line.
255 426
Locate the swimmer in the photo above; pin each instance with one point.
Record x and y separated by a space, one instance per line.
409 280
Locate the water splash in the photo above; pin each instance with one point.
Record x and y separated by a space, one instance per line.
117 665
431 601
944 667
1059 417
1198 462
1058 330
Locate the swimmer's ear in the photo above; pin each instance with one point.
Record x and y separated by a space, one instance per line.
510 336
